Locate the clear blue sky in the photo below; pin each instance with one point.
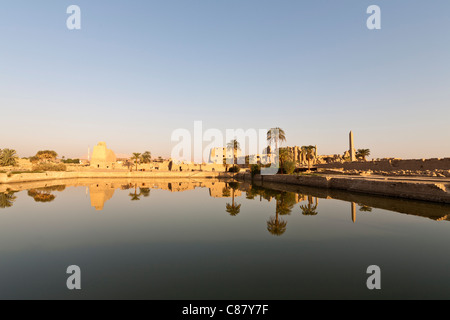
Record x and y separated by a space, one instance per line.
137 70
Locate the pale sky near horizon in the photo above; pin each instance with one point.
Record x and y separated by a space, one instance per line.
138 70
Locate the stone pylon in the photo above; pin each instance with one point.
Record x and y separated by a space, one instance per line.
352 148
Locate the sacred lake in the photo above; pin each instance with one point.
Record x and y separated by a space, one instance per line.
217 239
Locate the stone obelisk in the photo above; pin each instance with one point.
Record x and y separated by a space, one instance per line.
352 148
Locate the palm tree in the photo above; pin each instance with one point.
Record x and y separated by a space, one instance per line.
277 136
309 150
146 157
362 153
284 157
8 157
7 199
136 157
234 146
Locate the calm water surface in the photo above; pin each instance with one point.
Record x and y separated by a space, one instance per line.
206 239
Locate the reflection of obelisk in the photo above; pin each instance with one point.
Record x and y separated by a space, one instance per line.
353 212
352 148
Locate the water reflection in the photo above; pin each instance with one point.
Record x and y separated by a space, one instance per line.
145 192
100 193
44 194
7 199
364 208
233 209
214 236
286 197
310 209
276 226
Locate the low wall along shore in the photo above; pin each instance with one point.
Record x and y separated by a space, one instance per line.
437 190
391 165
29 177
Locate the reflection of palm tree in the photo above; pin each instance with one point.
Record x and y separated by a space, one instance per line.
284 202
144 191
250 193
226 192
310 209
7 199
233 209
276 226
135 196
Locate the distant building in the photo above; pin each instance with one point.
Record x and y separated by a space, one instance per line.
219 155
102 157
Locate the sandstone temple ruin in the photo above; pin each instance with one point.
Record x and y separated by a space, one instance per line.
102 157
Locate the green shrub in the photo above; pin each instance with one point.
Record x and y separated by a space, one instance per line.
33 159
289 167
8 157
71 161
255 169
49 167
234 169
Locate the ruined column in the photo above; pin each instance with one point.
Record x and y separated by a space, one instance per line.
352 148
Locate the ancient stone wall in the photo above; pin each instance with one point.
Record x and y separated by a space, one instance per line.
391 165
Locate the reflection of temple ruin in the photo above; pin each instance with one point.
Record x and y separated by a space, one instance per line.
217 191
100 193
103 191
